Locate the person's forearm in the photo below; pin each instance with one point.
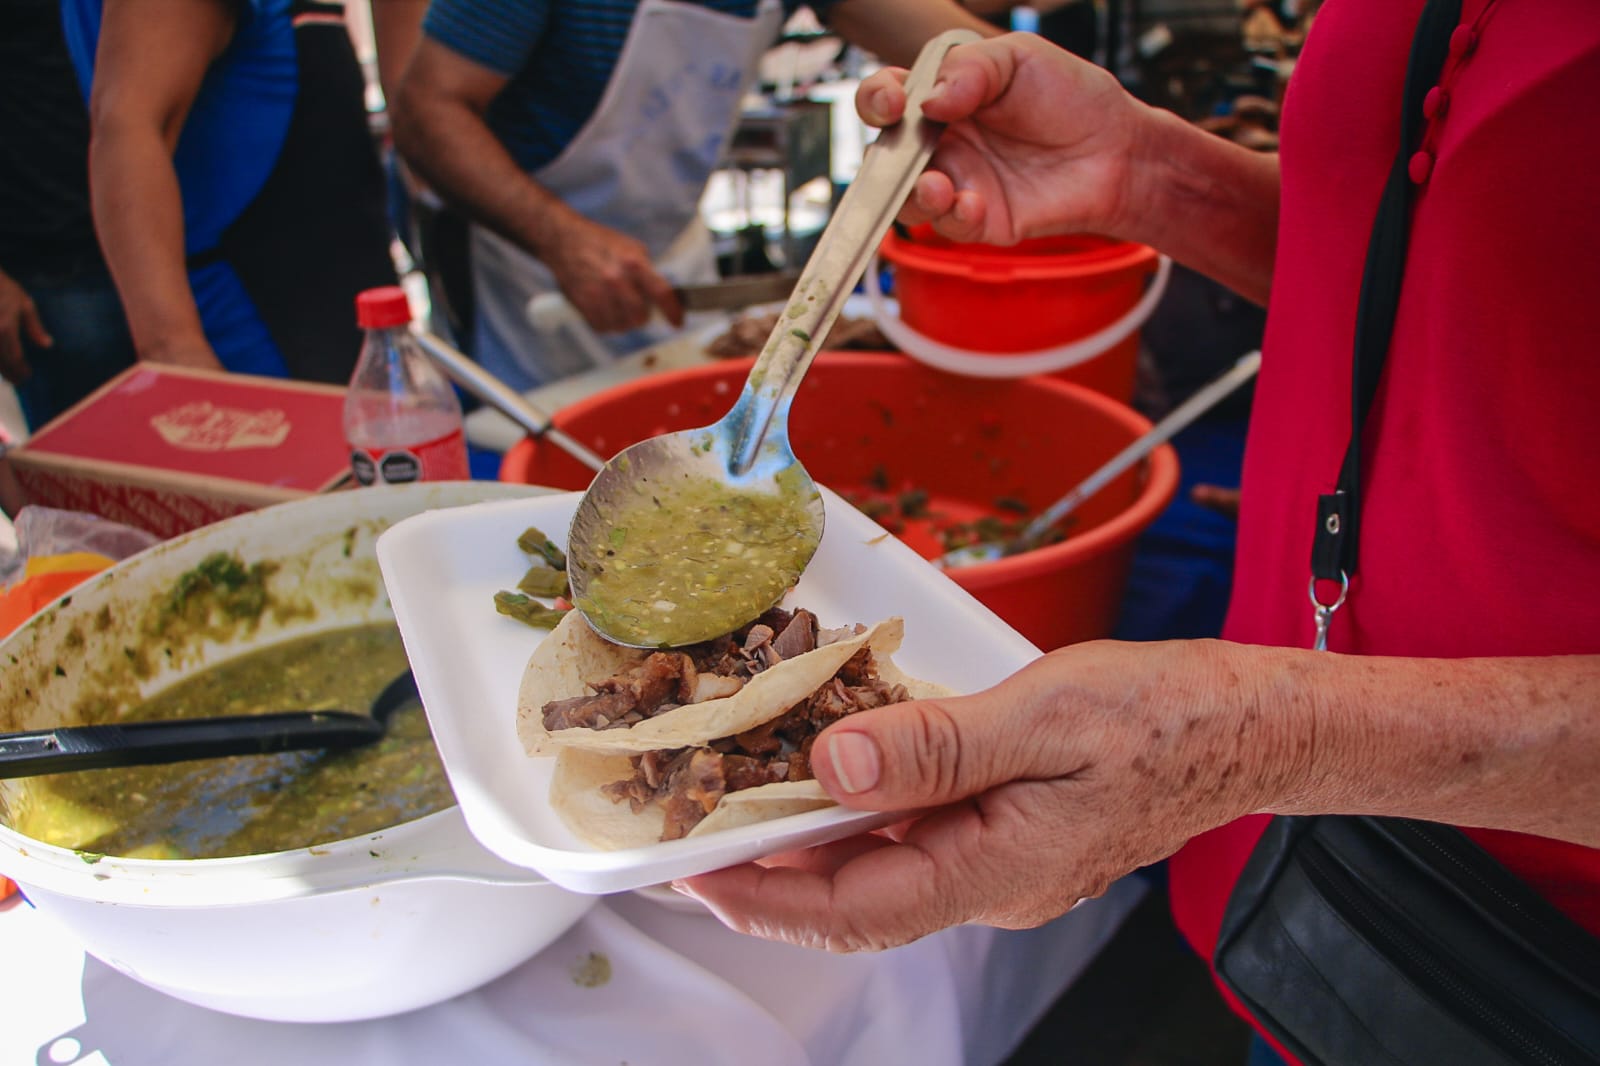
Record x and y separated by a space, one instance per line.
1498 743
896 30
396 30
455 152
1208 203
138 213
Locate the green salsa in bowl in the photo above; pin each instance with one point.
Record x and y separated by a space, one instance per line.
254 804
323 874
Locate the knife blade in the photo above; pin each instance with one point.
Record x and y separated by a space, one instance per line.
737 292
551 311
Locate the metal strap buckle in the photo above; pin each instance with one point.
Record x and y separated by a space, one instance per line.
1322 613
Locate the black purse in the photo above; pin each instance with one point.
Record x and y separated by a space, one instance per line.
1383 941
1361 941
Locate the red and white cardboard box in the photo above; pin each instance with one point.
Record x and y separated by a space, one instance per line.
169 449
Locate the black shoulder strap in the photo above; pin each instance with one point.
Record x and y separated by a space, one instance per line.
1333 551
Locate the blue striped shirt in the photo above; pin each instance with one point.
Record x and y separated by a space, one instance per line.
558 55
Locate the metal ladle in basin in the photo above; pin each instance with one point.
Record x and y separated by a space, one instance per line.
149 743
497 394
1034 533
688 535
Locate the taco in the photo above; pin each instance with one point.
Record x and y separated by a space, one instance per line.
656 745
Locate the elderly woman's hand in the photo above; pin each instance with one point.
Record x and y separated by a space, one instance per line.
1093 761
1039 142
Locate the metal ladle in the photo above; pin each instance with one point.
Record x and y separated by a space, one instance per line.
150 743
497 394
1035 532
684 581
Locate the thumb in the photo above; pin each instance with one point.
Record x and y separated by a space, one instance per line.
926 753
35 326
661 293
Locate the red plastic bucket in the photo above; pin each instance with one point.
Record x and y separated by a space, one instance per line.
1081 296
868 423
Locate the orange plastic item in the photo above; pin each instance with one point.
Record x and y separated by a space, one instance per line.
1029 296
865 420
43 585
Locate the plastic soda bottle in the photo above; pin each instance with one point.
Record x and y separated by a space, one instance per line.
402 419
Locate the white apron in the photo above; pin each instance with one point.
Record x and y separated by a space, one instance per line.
639 166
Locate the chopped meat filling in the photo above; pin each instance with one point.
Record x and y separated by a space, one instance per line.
689 782
709 670
747 334
660 681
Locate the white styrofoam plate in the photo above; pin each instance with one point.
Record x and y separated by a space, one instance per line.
442 570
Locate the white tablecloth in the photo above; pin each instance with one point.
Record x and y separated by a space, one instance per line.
682 989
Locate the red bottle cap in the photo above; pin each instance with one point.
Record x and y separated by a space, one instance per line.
383 308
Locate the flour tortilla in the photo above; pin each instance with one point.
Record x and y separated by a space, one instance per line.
578 797
573 656
589 759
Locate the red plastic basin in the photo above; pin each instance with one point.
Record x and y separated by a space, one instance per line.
865 420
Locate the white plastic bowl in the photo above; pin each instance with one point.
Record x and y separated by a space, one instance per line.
360 928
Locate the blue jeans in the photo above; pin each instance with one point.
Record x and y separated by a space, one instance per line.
82 313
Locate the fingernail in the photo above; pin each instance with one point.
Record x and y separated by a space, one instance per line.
937 91
855 761
879 102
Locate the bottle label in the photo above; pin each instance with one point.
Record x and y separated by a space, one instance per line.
441 459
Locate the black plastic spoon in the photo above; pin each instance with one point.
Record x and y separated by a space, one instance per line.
96 747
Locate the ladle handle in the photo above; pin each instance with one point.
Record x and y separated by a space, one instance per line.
497 394
1177 419
889 169
97 747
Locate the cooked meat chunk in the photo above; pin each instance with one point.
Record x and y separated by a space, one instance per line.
857 668
690 782
592 712
667 679
656 767
798 637
757 636
831 701
652 773
747 334
762 740
758 645
714 687
633 789
701 780
663 677
659 682
698 785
